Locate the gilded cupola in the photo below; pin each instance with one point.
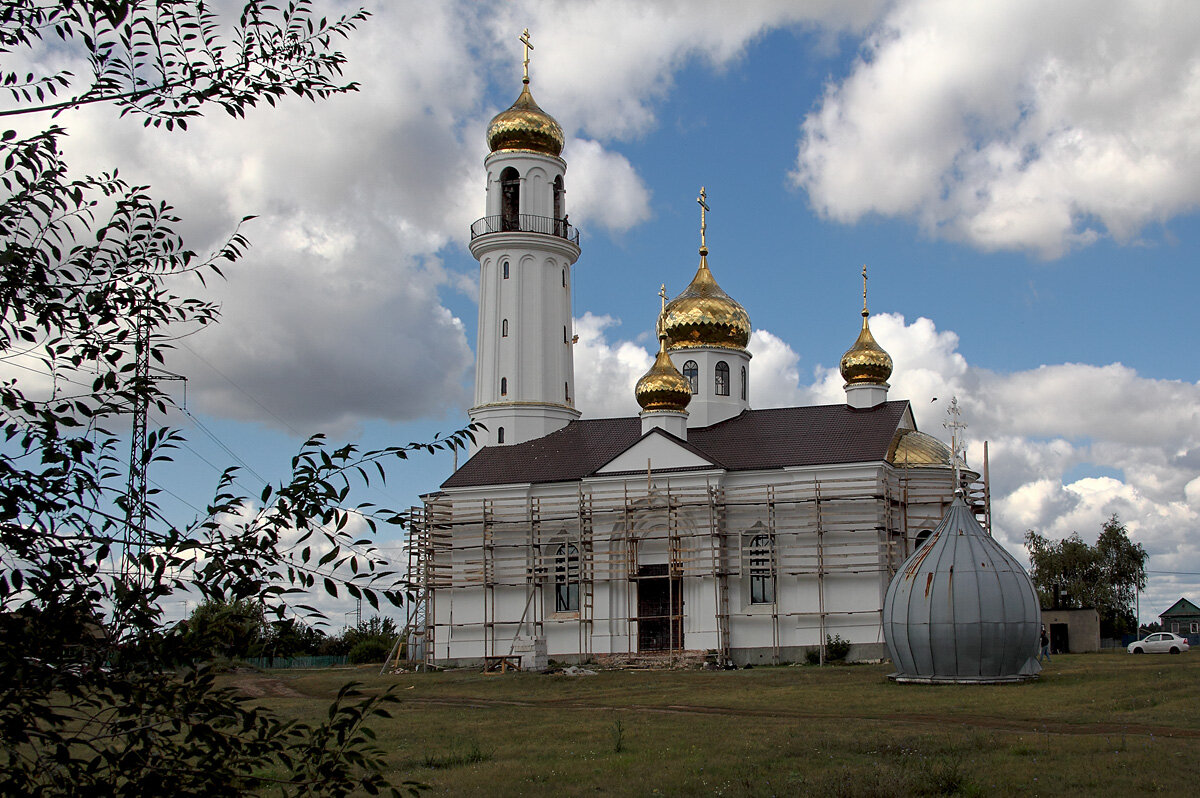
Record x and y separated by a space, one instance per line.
866 362
663 387
703 314
524 125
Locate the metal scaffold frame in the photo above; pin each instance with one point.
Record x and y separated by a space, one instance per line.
820 529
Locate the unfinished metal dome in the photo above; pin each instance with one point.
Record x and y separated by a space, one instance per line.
961 609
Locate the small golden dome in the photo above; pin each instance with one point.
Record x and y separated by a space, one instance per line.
704 315
663 387
911 448
525 126
866 362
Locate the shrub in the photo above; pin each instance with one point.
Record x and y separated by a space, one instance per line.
836 648
369 651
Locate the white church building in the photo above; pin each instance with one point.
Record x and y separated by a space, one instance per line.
702 526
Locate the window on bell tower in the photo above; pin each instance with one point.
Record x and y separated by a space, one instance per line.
510 200
504 328
692 373
743 383
722 375
504 386
505 268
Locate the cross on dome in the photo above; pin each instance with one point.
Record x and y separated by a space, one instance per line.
524 39
702 199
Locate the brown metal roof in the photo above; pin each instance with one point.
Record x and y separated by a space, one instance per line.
752 441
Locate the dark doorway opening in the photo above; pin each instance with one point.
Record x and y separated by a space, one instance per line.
1060 639
660 609
510 200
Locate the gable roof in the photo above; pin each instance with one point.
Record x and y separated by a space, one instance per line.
1181 607
752 441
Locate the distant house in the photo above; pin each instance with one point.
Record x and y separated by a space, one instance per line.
1183 618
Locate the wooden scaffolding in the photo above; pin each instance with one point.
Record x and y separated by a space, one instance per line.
818 529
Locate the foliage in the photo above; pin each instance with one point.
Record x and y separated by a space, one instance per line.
96 696
227 629
836 648
369 650
1070 574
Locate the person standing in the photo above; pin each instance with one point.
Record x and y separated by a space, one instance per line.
1045 641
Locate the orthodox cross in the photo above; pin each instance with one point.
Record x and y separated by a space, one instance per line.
864 273
957 445
662 294
703 208
528 46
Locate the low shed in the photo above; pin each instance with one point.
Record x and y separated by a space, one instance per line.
1072 631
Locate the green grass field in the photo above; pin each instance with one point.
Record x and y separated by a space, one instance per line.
1108 724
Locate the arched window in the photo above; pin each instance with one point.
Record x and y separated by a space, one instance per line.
504 328
743 383
505 270
722 378
510 199
566 578
500 435
564 278
922 536
566 340
759 553
504 386
692 372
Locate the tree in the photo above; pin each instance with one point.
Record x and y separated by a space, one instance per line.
1070 574
228 629
89 270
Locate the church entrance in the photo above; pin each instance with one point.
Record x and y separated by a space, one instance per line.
660 609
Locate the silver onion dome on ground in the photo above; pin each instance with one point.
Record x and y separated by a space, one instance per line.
961 609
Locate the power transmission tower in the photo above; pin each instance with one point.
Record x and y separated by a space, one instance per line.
137 507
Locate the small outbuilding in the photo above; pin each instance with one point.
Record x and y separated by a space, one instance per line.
1073 631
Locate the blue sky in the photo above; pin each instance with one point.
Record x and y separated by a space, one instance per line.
1021 184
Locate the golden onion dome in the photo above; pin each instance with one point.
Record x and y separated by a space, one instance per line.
525 126
663 387
911 448
866 362
704 315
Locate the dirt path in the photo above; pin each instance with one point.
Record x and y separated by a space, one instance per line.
984 722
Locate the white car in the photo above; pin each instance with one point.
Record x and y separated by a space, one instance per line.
1159 643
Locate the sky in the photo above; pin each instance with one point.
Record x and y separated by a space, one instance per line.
1020 179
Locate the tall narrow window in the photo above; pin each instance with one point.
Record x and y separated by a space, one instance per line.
564 278
565 339
505 267
500 435
504 328
722 373
567 392
566 578
760 555
743 383
504 386
692 372
510 200
558 206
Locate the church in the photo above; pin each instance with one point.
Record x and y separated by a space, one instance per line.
702 527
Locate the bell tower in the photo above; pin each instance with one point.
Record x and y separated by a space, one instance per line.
524 362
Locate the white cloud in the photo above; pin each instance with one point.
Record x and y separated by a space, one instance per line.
604 189
1013 125
606 373
602 64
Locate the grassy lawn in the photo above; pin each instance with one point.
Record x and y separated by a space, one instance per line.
1093 724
